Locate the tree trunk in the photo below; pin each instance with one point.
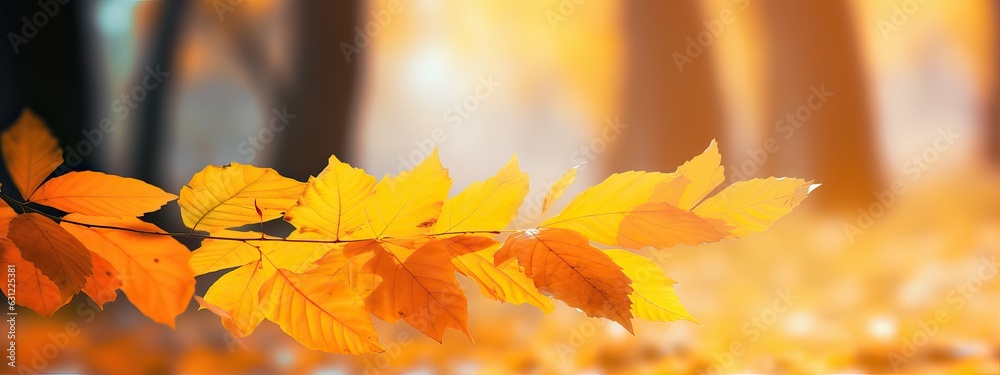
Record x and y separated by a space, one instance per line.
671 101
812 47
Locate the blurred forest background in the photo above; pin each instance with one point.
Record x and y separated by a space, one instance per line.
891 104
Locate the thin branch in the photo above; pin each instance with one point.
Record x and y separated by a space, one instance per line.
25 207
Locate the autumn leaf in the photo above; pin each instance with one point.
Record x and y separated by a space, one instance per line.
562 263
34 290
6 215
662 225
154 268
102 286
753 206
557 188
408 204
230 249
599 210
416 286
653 297
238 294
223 197
319 314
390 248
485 205
56 253
332 202
30 151
704 173
99 194
472 256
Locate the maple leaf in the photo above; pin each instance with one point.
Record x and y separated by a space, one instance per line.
485 205
99 194
331 205
408 204
224 197
562 263
30 151
154 269
56 253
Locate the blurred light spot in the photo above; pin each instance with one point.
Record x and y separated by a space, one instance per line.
284 357
800 323
115 17
333 371
615 330
882 327
429 68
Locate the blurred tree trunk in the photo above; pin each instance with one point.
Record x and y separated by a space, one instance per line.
812 47
672 113
324 90
150 113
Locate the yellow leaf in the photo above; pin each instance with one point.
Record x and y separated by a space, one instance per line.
562 263
238 293
408 204
225 197
319 314
557 189
705 173
60 257
753 206
30 151
598 211
32 289
216 254
416 286
486 205
99 194
653 295
472 256
332 202
154 269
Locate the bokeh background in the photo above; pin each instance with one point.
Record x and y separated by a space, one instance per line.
891 104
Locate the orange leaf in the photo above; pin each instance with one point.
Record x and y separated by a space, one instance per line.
6 215
53 250
30 151
103 285
319 314
473 257
99 194
154 268
564 264
662 225
33 289
419 288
